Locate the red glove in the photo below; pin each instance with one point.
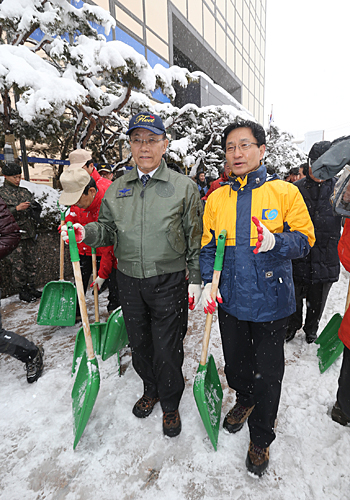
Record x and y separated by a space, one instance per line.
208 303
266 240
194 294
79 233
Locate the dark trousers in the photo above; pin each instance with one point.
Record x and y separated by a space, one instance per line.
316 297
16 346
86 271
343 394
155 311
254 368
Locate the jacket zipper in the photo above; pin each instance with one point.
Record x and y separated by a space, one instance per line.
142 194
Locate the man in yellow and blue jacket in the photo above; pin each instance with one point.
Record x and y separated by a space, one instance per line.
267 225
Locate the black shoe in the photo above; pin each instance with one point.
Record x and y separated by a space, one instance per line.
26 295
310 339
144 406
36 293
257 459
35 367
290 335
236 417
338 415
171 423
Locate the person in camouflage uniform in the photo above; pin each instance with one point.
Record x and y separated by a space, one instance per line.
23 259
10 343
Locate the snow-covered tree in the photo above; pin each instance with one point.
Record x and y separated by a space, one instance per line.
73 76
281 153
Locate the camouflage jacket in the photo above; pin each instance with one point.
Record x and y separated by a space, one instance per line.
9 231
13 196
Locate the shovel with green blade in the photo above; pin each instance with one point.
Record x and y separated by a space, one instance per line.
96 329
87 382
114 337
207 388
330 344
59 299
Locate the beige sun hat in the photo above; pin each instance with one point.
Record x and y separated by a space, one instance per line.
79 157
73 181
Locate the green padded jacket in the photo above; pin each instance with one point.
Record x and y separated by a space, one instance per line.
155 230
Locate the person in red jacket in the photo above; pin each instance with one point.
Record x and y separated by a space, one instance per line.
217 183
90 188
341 409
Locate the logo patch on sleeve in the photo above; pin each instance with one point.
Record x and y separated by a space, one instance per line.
123 193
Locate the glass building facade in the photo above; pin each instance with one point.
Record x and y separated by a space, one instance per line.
223 38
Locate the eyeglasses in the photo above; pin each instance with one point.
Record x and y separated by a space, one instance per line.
149 142
244 146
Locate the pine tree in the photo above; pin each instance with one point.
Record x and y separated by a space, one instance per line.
281 153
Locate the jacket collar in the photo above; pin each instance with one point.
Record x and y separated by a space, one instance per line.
253 179
162 173
95 204
10 185
310 182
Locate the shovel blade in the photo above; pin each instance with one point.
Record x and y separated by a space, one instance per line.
331 346
97 330
114 336
208 394
84 394
58 304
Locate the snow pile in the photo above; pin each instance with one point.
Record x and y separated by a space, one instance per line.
125 458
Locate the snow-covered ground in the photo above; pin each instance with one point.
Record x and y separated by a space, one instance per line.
120 457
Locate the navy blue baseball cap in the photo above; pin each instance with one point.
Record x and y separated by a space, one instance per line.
148 121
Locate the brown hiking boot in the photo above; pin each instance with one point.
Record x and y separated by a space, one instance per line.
171 423
338 415
144 406
236 417
257 459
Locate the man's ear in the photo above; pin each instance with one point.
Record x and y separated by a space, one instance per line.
262 151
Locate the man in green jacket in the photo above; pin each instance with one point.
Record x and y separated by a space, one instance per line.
153 217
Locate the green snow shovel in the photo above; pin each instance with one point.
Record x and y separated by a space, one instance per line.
114 336
96 328
330 344
207 388
59 299
87 382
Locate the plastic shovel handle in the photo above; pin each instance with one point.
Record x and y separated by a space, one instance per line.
219 258
220 250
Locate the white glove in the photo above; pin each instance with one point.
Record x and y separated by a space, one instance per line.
266 239
208 303
99 282
79 232
194 294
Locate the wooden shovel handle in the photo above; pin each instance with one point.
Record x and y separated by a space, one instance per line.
94 276
208 321
347 299
83 311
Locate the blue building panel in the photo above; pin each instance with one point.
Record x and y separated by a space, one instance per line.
129 40
159 96
101 31
77 3
153 59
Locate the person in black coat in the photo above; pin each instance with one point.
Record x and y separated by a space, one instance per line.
10 343
314 274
